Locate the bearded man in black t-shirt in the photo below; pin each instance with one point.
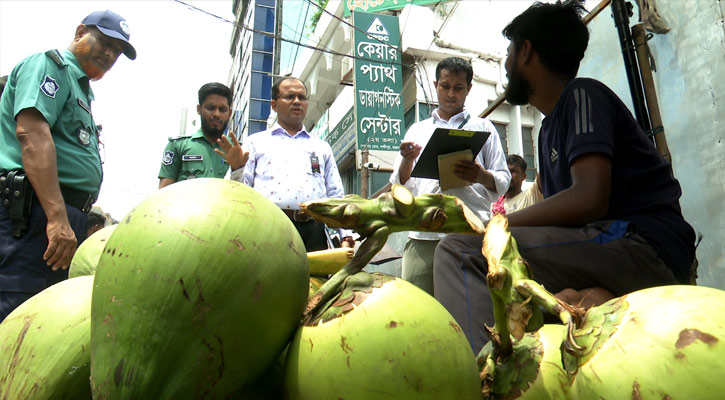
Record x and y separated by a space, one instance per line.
610 218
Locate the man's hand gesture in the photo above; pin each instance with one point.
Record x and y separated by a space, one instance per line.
232 151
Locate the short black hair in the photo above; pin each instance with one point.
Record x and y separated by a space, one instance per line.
557 33
275 87
96 219
215 88
518 161
455 65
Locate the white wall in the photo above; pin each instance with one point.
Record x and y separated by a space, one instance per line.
690 80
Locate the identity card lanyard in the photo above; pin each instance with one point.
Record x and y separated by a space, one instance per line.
314 163
464 121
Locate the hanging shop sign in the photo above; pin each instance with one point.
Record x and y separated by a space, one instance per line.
378 82
371 6
342 136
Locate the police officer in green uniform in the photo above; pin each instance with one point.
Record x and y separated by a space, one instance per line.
3 81
198 155
50 168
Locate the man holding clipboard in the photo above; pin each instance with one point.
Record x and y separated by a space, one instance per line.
485 176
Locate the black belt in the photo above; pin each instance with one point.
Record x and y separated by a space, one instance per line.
78 199
297 216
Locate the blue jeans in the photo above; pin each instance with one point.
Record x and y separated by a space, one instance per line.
23 272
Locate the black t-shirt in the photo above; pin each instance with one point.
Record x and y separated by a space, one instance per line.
590 118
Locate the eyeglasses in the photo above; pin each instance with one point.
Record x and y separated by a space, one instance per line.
292 96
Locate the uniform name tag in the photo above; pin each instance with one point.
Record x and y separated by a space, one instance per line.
84 105
192 158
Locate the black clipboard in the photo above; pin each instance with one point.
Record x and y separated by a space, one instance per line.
444 141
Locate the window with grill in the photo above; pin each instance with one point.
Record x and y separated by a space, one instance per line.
502 135
425 110
409 117
527 140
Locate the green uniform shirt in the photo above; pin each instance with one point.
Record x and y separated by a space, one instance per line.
190 157
54 84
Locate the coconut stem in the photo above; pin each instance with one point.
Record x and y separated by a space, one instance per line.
375 219
501 326
487 377
566 313
509 281
367 250
398 210
403 199
513 310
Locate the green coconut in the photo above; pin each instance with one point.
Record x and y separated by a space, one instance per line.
85 259
45 344
658 343
198 290
270 386
381 337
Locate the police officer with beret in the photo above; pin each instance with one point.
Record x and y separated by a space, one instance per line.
196 156
50 167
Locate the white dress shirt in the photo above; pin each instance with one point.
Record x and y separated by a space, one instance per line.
476 196
280 167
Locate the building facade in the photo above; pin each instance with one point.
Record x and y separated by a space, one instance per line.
430 31
255 60
689 82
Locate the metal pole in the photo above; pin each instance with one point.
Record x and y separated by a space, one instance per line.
650 92
364 173
278 34
621 22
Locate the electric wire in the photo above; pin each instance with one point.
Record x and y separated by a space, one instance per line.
415 65
436 35
294 59
390 109
280 37
351 25
419 64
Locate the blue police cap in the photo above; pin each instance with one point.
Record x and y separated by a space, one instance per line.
112 25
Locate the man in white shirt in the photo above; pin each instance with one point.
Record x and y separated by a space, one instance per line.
516 198
488 173
288 166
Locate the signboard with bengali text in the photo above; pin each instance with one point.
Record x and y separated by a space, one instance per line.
378 82
342 136
370 6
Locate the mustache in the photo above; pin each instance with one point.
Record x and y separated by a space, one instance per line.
93 71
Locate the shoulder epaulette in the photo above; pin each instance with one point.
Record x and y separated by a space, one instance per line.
176 138
56 57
